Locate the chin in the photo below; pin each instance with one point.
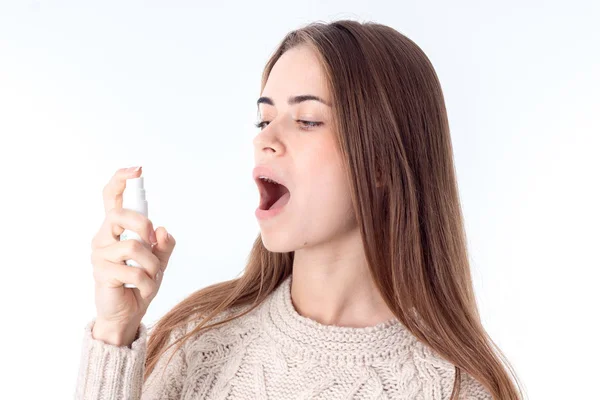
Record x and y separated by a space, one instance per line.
278 242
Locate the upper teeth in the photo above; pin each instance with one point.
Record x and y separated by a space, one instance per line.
264 178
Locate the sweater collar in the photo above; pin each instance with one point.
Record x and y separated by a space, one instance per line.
309 338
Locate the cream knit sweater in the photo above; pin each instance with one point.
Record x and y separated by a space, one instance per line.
274 353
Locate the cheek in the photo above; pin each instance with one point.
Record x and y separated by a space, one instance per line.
323 182
326 212
326 190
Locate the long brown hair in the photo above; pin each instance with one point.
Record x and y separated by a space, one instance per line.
392 129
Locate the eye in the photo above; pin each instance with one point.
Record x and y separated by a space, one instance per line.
260 124
307 124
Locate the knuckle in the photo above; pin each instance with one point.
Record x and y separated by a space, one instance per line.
157 264
93 258
142 223
96 258
133 246
96 275
97 239
138 274
99 272
113 214
155 267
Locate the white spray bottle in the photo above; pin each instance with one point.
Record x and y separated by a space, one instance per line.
134 198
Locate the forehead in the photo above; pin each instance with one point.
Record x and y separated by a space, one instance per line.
297 71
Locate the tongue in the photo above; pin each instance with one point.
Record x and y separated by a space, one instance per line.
282 201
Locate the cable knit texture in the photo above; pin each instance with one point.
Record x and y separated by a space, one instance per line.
274 353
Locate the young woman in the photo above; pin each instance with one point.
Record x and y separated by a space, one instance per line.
358 285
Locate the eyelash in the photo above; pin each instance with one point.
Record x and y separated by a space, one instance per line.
311 124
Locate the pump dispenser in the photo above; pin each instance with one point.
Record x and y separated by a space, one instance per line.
134 198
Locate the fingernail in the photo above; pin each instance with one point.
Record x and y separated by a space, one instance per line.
153 237
168 237
132 169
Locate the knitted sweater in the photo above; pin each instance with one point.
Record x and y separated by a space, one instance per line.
274 353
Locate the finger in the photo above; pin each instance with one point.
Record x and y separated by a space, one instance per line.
164 248
115 223
128 250
116 275
119 219
105 237
122 218
112 193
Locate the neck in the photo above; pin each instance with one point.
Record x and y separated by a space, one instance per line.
332 285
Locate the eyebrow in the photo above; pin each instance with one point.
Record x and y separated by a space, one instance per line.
293 100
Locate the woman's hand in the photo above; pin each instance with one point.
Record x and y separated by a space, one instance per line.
119 309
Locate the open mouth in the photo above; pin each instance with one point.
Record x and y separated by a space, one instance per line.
272 194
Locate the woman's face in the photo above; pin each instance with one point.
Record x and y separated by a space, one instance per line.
303 155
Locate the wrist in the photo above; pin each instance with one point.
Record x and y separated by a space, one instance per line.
114 334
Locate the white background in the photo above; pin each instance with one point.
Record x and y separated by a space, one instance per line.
85 90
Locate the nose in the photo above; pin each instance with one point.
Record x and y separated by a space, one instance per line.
268 140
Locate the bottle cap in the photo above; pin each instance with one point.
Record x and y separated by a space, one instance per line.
134 196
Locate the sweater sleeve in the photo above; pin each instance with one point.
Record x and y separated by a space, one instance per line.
109 372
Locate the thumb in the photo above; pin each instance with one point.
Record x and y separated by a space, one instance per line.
164 246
